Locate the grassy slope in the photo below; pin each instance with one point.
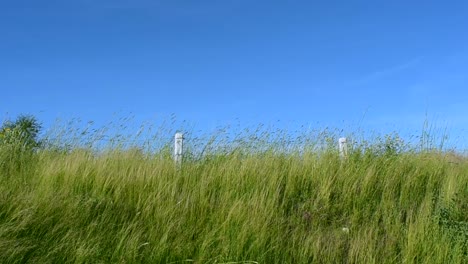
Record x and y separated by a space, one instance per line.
122 207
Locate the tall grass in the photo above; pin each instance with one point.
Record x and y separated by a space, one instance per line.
237 202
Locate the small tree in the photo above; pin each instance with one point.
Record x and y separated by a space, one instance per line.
21 133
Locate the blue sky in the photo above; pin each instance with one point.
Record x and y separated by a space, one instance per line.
377 65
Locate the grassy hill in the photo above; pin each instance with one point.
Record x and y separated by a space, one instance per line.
128 206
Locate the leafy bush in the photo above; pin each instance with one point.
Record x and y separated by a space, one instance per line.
23 133
453 218
18 140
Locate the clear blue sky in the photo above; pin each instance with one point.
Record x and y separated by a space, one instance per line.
379 65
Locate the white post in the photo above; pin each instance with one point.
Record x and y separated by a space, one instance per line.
178 148
343 147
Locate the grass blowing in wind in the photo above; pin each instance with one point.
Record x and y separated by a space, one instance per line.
241 200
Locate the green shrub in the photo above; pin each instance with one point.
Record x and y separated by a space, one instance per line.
23 133
18 139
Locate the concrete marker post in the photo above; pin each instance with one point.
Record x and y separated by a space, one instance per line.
343 147
178 148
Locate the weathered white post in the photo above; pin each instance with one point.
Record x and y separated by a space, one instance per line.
178 148
343 147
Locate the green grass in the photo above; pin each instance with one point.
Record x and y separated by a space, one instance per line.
239 206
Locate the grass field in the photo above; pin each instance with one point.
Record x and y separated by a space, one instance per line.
380 205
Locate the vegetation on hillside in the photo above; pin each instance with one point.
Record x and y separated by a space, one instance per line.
241 202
